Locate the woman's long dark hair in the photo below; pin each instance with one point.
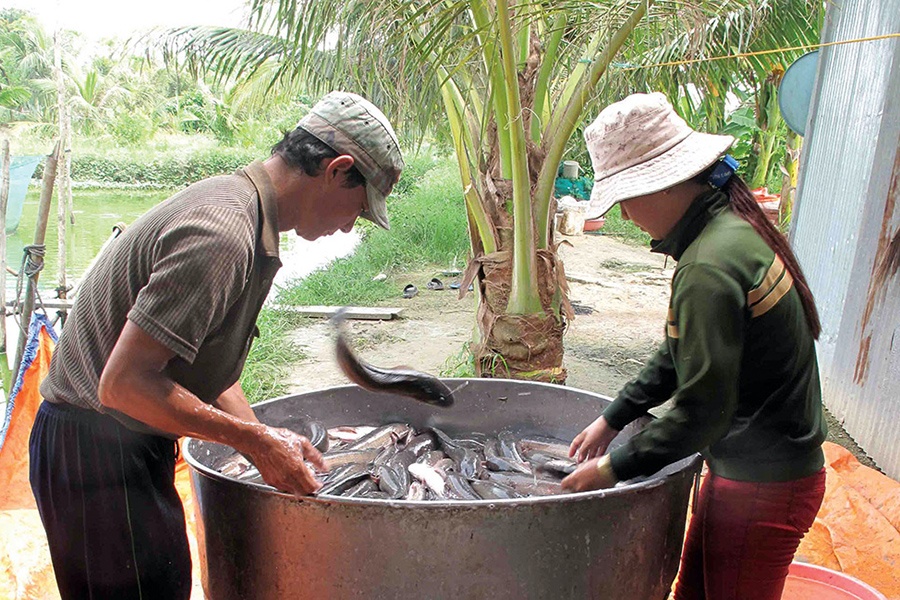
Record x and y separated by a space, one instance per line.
745 205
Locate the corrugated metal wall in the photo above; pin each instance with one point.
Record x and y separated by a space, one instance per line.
846 228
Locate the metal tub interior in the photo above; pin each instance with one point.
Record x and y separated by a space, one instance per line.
622 543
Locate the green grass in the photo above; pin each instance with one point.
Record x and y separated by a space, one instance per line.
428 227
614 264
627 231
461 364
271 356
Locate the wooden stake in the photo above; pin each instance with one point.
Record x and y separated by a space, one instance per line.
40 233
62 188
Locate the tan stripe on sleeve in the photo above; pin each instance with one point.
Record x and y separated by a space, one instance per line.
777 293
671 325
768 282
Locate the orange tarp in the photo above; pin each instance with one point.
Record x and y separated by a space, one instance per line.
15 492
857 530
25 569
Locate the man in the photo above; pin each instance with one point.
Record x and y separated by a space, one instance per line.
155 344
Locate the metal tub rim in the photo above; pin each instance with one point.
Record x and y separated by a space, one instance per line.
658 479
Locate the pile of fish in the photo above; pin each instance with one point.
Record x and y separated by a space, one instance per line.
396 462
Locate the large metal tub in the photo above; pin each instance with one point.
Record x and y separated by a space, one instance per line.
622 543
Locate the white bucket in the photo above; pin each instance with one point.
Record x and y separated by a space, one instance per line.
570 169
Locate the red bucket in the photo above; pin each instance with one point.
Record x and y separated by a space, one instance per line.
811 582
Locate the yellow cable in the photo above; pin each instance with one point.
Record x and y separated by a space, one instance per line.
676 63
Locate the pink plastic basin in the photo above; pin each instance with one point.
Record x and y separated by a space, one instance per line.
594 224
811 582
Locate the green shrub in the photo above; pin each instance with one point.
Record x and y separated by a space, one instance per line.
413 172
168 170
267 367
618 227
131 128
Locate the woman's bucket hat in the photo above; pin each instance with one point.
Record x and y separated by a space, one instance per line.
640 146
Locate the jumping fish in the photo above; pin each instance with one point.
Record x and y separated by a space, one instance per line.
405 382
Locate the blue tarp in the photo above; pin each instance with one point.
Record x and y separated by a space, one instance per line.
578 188
21 168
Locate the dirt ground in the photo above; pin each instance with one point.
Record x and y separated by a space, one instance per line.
620 293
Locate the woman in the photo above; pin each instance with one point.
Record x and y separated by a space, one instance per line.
738 361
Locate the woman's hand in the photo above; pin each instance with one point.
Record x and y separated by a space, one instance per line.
593 441
595 474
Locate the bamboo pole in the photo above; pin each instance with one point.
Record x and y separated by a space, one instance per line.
4 201
40 233
62 189
68 145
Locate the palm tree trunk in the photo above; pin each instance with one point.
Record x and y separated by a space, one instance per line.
763 158
790 170
519 346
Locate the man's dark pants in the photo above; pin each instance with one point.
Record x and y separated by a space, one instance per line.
107 498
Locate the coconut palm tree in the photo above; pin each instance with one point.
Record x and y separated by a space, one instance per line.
27 90
513 79
95 99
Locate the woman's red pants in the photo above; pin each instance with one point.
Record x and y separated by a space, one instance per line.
743 536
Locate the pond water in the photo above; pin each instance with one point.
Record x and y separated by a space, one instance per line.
97 211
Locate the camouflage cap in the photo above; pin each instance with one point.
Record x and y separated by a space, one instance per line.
352 125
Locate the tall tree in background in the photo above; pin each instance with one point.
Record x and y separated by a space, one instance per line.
27 88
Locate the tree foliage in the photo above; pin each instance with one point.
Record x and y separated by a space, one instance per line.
513 80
